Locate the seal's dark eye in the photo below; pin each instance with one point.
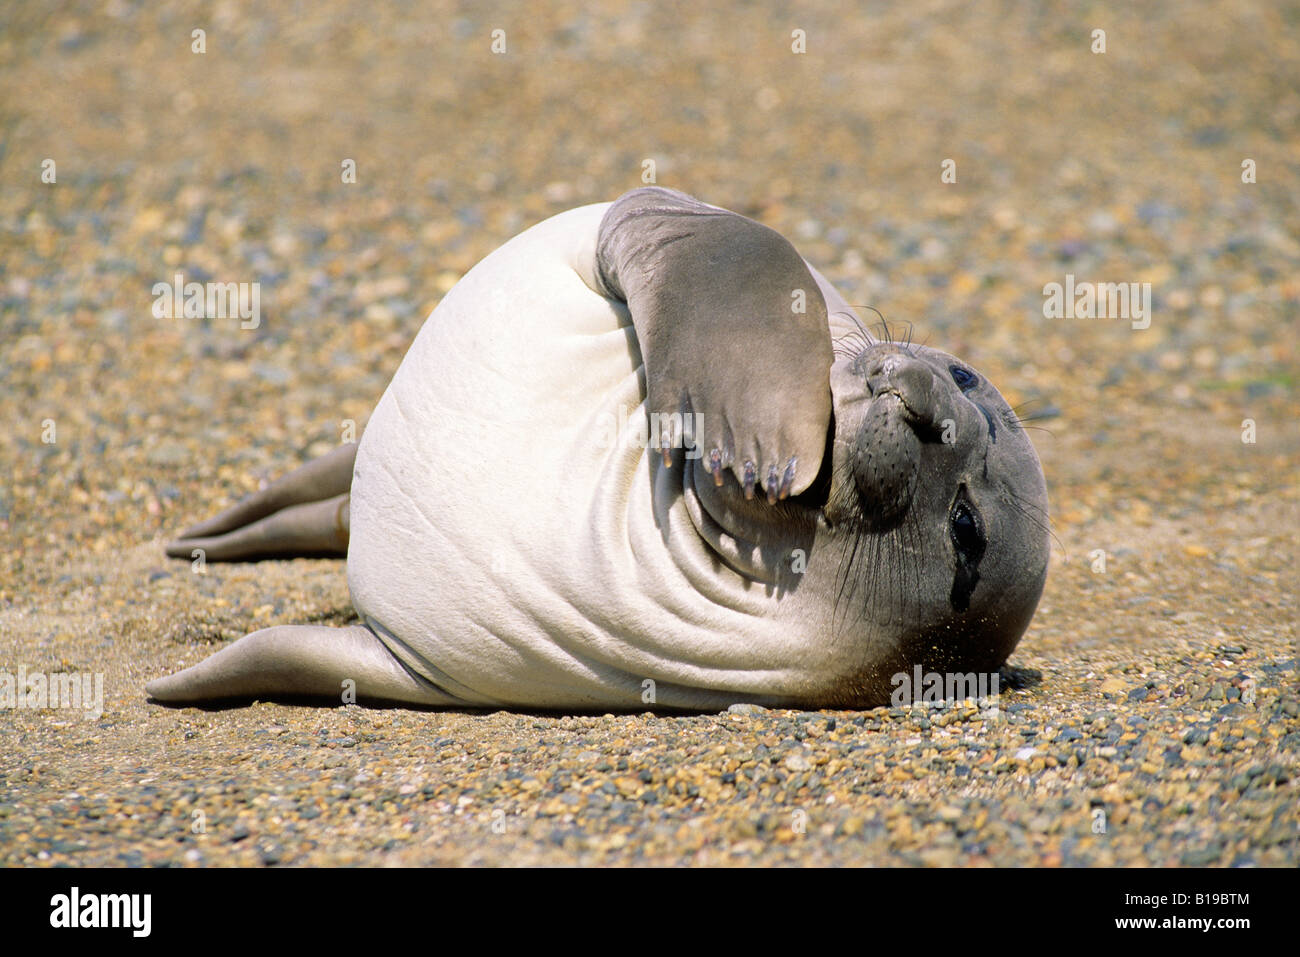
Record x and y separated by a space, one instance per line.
967 533
964 527
964 378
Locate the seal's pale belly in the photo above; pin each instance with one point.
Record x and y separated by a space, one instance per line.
503 585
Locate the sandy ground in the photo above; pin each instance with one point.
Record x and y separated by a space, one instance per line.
1153 713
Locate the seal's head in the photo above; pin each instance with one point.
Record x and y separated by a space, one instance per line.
940 504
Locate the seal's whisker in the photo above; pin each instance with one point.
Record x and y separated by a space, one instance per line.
1027 507
1016 419
882 569
889 335
848 580
1036 416
909 562
1041 520
862 330
911 327
1017 422
884 565
852 344
886 336
1015 409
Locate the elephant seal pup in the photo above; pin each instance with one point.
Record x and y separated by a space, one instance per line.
814 512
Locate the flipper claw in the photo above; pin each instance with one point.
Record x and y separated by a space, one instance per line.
715 466
787 480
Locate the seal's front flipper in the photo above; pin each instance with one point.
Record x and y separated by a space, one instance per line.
732 327
302 513
313 661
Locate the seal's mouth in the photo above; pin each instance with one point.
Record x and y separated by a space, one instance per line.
876 459
886 393
909 382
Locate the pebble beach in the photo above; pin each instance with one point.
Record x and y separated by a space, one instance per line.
940 163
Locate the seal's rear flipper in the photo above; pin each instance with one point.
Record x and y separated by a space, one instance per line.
318 529
312 661
302 513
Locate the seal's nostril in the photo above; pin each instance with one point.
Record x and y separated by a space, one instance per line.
883 364
906 377
915 380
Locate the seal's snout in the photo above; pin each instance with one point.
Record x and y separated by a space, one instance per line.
886 459
907 377
889 404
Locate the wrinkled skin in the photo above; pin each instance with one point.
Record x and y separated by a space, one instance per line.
897 473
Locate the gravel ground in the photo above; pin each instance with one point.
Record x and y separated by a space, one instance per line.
1149 716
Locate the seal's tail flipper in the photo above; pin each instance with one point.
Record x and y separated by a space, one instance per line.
302 513
314 661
